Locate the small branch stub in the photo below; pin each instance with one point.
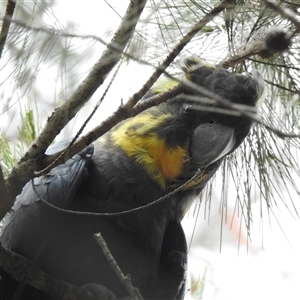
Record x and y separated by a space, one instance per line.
126 281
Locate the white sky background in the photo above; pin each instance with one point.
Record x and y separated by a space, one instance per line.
98 21
270 269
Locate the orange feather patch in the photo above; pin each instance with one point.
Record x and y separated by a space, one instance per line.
139 139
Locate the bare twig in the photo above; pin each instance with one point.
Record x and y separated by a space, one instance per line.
281 40
264 47
184 186
10 8
125 280
251 49
282 87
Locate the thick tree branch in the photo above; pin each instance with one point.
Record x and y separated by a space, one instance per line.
10 8
22 269
26 166
5 196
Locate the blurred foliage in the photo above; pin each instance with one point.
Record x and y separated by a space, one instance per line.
7 158
27 134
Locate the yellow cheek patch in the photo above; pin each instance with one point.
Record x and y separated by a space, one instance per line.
139 139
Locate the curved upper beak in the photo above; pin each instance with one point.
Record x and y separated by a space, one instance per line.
211 142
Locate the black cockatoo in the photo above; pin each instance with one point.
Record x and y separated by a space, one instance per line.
137 162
